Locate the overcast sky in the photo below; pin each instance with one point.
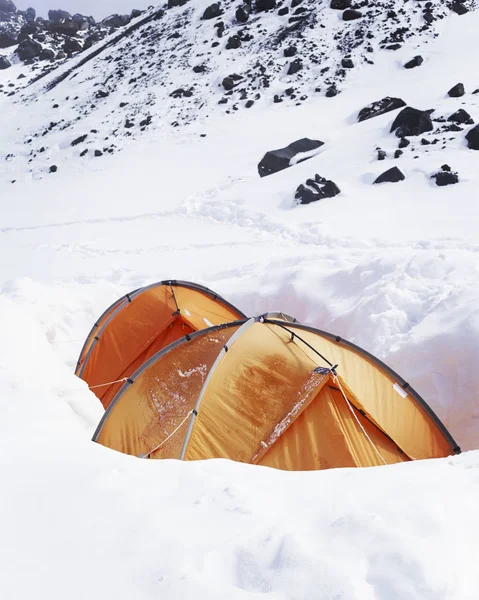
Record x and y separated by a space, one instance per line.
98 8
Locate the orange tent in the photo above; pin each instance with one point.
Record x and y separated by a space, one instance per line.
272 392
140 324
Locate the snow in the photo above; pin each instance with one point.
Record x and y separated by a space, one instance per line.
393 268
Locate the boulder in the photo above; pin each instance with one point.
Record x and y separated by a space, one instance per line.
233 42
414 62
340 4
173 3
265 5
242 13
72 45
462 117
316 189
7 6
351 14
347 63
457 91
135 13
4 63
65 27
28 49
57 16
295 66
411 121
391 176
116 21
290 51
380 108
79 140
445 176
231 81
30 14
472 138
46 54
212 11
277 160
82 21
459 8
7 40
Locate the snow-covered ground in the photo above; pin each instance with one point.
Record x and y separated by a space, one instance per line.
393 267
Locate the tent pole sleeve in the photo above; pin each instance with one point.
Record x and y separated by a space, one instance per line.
219 358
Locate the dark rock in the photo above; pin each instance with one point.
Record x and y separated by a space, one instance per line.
58 16
60 55
347 63
277 160
316 189
7 40
173 3
72 45
398 153
249 103
351 14
53 169
102 94
331 91
473 138
47 54
404 142
79 140
135 13
242 13
233 42
82 22
4 63
411 121
461 116
231 81
445 176
199 69
30 14
290 51
67 27
340 4
212 11
28 49
415 62
181 93
382 154
7 6
98 153
116 21
283 11
391 176
295 66
380 108
457 91
265 4
459 8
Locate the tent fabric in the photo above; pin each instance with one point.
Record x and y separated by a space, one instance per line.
142 323
271 392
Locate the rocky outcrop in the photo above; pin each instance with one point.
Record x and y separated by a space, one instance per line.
277 160
411 121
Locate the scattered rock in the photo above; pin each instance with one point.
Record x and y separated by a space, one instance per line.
382 154
380 108
445 176
340 4
53 169
415 62
398 153
461 116
472 138
391 176
459 8
265 5
295 66
212 11
47 54
290 51
411 121
7 40
72 45
79 140
457 91
316 189
231 81
98 153
351 14
277 160
28 49
242 13
67 27
233 42
4 63
347 63
116 21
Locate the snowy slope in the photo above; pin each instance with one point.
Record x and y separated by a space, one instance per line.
392 267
